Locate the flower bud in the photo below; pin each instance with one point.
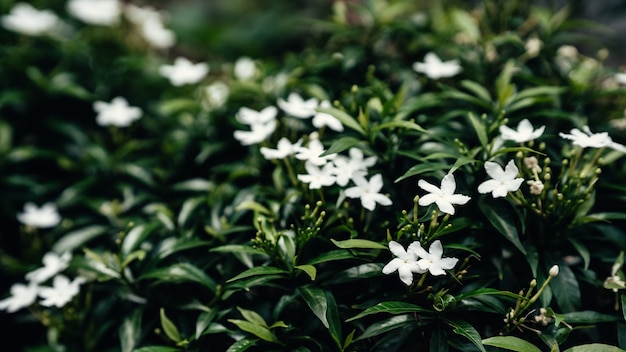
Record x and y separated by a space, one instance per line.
554 271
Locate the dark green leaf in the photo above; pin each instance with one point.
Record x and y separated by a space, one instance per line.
502 217
463 328
259 331
157 349
332 255
422 168
181 272
511 343
391 307
358 243
566 284
385 325
409 125
594 347
341 144
259 270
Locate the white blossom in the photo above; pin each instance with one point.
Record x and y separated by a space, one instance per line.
249 116
444 197
157 35
22 296
283 149
217 94
432 260
317 177
405 263
116 113
52 265
620 78
524 133
296 106
257 134
25 19
96 12
312 153
502 181
434 68
322 119
536 186
587 139
184 71
245 68
368 192
41 217
61 292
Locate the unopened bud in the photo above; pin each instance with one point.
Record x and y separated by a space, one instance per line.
554 271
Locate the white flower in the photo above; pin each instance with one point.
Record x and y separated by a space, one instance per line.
97 12
21 296
554 271
524 132
322 119
316 177
257 134
44 217
217 94
138 15
248 116
116 113
61 292
346 168
26 19
52 265
283 149
157 35
434 68
536 187
432 260
620 78
184 71
502 181
312 153
297 107
532 164
245 69
405 263
367 191
444 197
585 139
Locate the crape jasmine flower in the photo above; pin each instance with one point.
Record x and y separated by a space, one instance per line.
53 264
245 69
367 191
587 139
61 292
444 197
22 296
296 106
312 153
434 68
116 113
283 149
40 217
96 12
432 260
322 119
524 133
25 19
249 116
317 177
257 134
217 94
150 23
405 263
502 181
184 71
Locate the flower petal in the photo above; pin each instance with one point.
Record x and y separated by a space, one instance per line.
428 187
448 184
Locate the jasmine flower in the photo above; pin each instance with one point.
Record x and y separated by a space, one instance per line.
405 263
96 12
21 296
283 149
296 106
524 133
434 68
367 191
322 119
250 117
432 260
53 264
40 217
312 153
317 177
245 69
346 168
444 197
155 33
184 71
25 19
116 113
502 181
217 94
536 186
257 134
586 138
61 292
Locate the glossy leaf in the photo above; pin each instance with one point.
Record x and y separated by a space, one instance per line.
258 270
169 328
182 272
358 243
502 218
594 347
260 331
465 329
511 343
391 307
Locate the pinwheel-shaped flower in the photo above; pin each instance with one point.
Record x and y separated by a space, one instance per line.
587 139
444 197
367 191
40 217
502 181
525 132
405 263
432 260
434 68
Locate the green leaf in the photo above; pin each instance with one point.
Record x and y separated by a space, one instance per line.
344 118
488 291
258 270
203 321
383 326
77 238
463 328
259 331
308 269
594 347
254 206
477 89
358 243
238 248
511 343
315 298
582 250
187 209
242 345
588 317
130 331
252 316
134 237
439 339
172 245
391 307
502 218
341 144
481 130
169 328
566 284
423 168
182 272
337 254
409 125
623 300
